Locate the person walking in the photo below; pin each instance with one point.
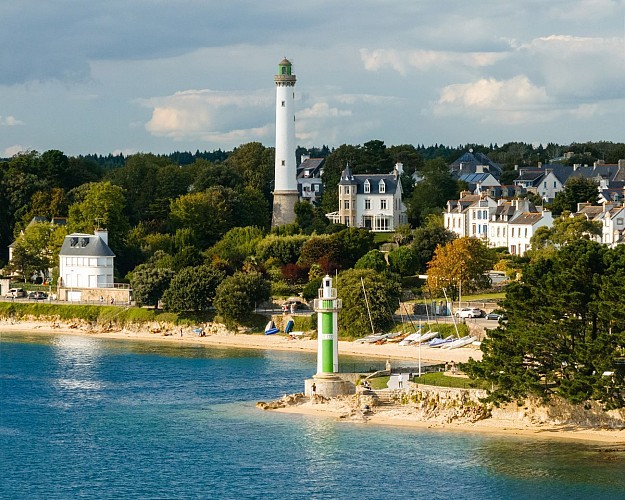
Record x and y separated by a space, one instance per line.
400 380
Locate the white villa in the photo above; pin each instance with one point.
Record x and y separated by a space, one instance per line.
86 265
370 201
612 219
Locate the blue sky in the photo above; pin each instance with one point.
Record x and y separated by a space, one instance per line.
164 75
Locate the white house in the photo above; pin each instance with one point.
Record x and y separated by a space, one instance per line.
370 201
455 215
523 226
86 261
612 220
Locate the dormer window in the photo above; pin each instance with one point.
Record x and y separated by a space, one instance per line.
382 187
367 186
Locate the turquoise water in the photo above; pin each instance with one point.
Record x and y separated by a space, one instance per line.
89 418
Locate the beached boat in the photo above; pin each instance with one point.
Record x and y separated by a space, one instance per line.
425 337
270 329
370 339
438 342
411 338
459 342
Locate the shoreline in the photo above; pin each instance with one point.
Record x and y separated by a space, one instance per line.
489 427
395 417
275 342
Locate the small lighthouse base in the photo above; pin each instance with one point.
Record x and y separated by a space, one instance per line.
328 386
284 207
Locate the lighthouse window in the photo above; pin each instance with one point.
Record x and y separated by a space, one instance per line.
284 70
283 163
283 103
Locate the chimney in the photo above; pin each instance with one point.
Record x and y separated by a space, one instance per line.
399 167
540 164
516 168
621 163
103 234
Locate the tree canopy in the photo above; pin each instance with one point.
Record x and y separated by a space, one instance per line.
460 266
565 332
382 299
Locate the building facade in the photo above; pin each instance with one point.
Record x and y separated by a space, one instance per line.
370 201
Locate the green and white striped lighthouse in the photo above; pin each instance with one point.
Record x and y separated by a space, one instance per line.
327 306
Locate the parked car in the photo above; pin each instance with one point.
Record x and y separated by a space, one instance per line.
293 304
496 316
38 295
15 293
469 312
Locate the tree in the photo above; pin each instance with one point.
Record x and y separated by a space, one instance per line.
565 230
353 243
403 261
192 289
425 241
237 296
576 190
207 215
281 250
374 259
431 194
255 164
100 204
460 265
382 299
37 250
324 250
237 244
565 329
149 282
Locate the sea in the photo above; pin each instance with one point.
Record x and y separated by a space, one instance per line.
82 417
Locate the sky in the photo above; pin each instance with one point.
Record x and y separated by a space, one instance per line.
127 76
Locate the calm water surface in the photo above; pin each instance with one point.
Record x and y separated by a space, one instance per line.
93 418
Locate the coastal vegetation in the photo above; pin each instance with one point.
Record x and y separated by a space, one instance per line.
565 332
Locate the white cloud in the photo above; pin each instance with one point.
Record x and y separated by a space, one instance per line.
9 121
13 150
210 114
424 60
512 101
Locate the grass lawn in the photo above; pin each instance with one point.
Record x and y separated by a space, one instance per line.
442 380
378 383
484 297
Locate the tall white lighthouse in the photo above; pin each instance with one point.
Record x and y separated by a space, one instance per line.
285 188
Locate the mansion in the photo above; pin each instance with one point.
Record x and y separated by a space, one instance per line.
370 201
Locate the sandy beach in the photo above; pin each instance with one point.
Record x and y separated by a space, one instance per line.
222 338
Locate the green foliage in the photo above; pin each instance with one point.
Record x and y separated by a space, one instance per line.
237 244
576 190
425 241
281 250
431 194
439 379
310 218
37 250
149 283
403 261
324 250
565 229
373 259
565 329
238 295
311 289
192 289
100 204
382 297
353 243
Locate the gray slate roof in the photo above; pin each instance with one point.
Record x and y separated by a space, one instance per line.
85 245
348 179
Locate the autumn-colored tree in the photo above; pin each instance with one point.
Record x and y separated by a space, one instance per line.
459 266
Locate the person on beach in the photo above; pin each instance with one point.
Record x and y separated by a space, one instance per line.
314 390
400 381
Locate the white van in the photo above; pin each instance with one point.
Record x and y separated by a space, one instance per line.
15 293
